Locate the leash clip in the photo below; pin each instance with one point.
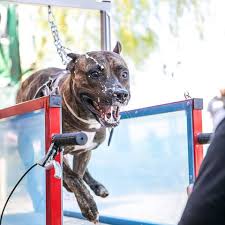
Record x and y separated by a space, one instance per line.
57 168
49 162
58 141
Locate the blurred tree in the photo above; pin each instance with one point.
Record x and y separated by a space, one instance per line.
14 52
9 53
79 30
132 22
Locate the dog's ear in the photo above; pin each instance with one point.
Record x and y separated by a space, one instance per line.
73 56
118 48
71 65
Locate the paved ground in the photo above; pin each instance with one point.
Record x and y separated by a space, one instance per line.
73 221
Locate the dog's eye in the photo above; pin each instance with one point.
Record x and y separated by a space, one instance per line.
94 74
124 75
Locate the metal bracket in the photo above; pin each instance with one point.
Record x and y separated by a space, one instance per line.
55 101
198 103
58 141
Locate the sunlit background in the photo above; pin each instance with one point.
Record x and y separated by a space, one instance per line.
173 47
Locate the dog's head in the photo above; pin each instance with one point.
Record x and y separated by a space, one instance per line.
100 82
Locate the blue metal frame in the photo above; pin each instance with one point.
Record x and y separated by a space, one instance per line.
110 220
187 106
189 114
158 109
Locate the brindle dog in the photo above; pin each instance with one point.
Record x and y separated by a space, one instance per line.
93 88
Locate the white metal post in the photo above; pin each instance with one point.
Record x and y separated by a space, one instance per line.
105 30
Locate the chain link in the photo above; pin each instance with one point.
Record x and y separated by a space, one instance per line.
61 50
187 95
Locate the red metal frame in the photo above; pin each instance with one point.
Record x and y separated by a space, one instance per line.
198 148
25 107
52 126
53 185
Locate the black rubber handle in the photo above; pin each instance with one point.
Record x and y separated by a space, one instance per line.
204 138
77 138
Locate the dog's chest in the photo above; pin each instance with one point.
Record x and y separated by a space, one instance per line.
90 142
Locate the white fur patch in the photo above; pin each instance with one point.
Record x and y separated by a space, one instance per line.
94 124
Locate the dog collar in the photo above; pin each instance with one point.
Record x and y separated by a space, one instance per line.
77 117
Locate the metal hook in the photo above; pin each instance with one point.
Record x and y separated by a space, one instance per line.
187 95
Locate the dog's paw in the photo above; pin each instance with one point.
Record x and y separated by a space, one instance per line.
87 205
99 190
85 200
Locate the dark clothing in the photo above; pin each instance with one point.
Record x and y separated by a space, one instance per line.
206 204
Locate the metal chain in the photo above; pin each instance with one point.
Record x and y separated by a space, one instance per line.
187 95
61 50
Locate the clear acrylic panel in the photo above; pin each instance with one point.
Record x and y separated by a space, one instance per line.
23 144
145 169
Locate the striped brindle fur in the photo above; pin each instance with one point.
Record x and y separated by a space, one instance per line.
93 87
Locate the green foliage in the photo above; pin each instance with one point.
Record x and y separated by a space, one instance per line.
14 51
10 68
79 31
177 9
131 24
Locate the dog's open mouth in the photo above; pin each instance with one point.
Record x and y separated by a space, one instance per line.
107 115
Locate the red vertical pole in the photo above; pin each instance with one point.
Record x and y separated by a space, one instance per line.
52 106
53 185
198 149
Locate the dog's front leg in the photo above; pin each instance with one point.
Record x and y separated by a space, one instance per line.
84 199
80 163
95 186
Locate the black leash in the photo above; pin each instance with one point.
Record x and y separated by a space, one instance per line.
58 140
18 182
110 136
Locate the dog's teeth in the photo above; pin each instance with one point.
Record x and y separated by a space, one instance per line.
111 119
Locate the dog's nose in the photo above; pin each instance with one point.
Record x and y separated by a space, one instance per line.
120 95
